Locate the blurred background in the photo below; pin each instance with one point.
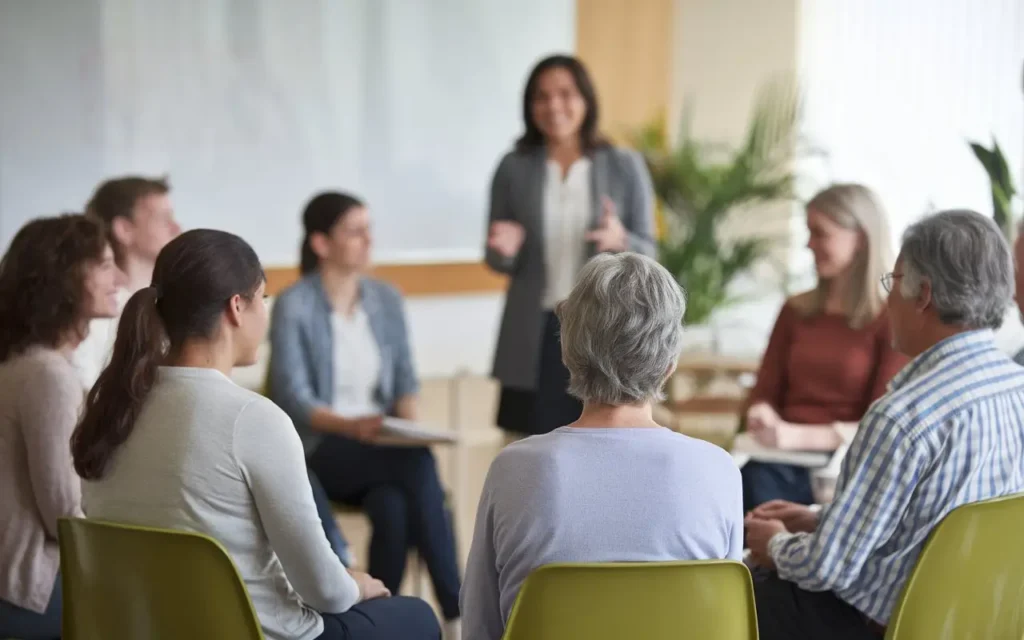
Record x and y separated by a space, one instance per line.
250 106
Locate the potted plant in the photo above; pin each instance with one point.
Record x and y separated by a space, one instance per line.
701 185
1003 189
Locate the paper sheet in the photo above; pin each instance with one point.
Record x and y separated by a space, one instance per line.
746 444
408 430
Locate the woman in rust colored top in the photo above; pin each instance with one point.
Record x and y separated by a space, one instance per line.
830 354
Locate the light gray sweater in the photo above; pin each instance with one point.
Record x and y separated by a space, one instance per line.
596 495
40 398
206 455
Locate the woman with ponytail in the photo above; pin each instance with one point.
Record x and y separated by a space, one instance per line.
340 360
57 276
168 440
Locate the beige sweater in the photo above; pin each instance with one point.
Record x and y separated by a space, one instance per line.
40 400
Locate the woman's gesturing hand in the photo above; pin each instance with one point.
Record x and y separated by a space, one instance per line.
506 237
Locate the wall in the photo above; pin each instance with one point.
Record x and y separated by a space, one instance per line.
895 91
892 94
627 49
251 107
724 52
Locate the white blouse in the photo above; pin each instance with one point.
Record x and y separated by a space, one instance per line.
93 354
567 212
356 365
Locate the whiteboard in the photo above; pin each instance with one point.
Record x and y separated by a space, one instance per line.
252 106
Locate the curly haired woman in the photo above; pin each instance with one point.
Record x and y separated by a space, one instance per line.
57 275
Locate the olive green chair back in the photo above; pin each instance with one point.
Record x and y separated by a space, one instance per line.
969 579
123 582
649 600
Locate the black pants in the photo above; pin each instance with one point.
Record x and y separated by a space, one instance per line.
396 618
16 622
787 612
400 492
550 406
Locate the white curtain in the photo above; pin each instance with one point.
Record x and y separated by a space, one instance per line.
253 105
896 89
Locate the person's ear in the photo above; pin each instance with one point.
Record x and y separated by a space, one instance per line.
236 307
319 242
924 296
123 231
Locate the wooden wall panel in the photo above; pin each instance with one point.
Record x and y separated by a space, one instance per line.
627 46
444 278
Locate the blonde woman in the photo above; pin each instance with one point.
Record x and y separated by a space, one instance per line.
830 354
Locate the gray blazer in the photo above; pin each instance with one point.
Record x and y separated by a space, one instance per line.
301 376
517 194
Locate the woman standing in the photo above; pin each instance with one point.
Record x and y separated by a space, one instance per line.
340 361
561 196
168 440
830 354
58 275
612 486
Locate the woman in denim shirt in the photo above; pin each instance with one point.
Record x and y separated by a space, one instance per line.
340 361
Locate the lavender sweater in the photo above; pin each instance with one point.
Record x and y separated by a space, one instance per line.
596 495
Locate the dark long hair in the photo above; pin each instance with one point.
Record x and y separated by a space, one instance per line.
590 137
195 276
42 281
320 215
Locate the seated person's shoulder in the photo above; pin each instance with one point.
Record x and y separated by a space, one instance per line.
255 407
49 368
295 296
533 456
803 303
708 454
898 410
389 296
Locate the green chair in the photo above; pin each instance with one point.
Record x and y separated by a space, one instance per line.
969 579
123 583
649 600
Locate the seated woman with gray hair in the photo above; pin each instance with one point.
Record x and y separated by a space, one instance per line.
614 486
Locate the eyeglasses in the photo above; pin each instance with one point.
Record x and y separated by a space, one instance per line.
888 279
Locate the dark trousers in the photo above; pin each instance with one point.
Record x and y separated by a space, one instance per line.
765 481
787 612
330 525
400 492
16 622
396 618
550 406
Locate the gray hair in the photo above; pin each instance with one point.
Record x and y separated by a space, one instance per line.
622 330
966 259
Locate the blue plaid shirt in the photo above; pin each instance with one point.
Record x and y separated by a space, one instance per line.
949 432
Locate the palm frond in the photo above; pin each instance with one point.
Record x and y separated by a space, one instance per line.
1001 181
700 185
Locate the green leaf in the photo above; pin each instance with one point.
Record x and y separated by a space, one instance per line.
1001 181
701 184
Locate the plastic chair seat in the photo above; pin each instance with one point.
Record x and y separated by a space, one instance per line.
123 582
969 579
649 600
